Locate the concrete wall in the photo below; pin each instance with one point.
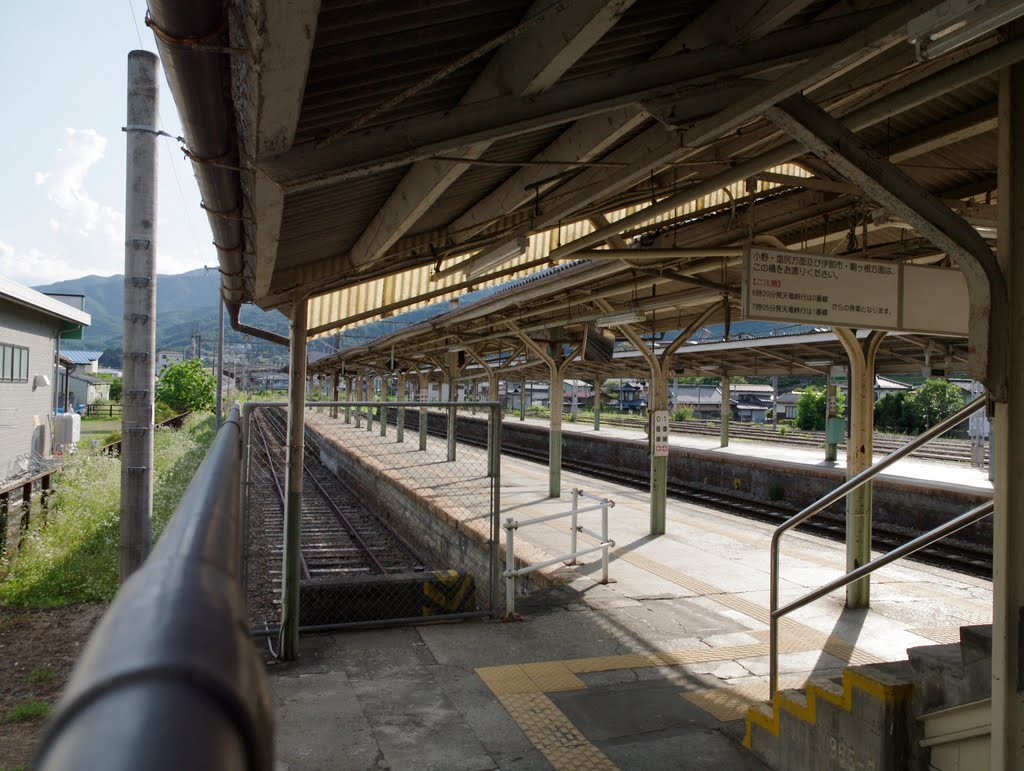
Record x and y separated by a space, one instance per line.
23 409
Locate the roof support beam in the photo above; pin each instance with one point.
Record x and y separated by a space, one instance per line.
854 50
370 150
281 38
527 64
957 129
724 22
827 138
894 103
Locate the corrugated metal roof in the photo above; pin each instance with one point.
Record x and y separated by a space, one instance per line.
30 298
80 357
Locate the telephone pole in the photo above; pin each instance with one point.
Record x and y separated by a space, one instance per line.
139 313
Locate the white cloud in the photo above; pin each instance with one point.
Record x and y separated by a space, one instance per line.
34 267
65 187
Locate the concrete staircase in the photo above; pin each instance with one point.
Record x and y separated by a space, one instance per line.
930 709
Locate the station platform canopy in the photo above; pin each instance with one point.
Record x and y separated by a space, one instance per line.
369 157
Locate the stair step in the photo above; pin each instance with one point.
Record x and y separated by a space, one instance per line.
860 721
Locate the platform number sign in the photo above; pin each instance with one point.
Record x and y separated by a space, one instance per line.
660 432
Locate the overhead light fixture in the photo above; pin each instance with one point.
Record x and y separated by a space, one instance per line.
618 319
954 23
818 363
481 263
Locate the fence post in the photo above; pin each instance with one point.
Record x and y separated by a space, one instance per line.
44 499
26 507
604 540
494 469
5 504
510 566
383 419
572 535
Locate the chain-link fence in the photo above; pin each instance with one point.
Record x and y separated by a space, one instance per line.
399 512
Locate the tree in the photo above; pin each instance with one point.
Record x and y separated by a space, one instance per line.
811 407
899 412
112 357
115 389
185 386
936 400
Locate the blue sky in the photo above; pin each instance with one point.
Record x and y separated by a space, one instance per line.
62 83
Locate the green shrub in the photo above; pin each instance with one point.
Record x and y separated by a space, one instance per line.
682 413
75 557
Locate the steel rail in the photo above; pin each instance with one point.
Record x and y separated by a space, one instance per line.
343 520
303 565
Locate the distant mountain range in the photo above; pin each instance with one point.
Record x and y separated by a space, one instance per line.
189 299
181 301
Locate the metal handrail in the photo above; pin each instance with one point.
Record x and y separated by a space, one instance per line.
839 493
170 677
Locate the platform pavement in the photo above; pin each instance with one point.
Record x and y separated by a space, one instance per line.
652 671
936 472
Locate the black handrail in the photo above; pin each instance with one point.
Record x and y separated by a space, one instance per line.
170 677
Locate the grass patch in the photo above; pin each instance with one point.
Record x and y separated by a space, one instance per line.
26 712
42 674
74 558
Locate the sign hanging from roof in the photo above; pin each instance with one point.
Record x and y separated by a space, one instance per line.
865 294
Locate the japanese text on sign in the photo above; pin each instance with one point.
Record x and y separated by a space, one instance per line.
659 433
820 289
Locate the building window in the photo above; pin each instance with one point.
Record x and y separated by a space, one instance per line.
13 364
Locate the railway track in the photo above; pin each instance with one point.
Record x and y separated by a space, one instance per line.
339 536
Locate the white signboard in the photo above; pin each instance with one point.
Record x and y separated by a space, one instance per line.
820 289
867 294
660 432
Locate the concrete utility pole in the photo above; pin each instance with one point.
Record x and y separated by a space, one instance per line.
139 313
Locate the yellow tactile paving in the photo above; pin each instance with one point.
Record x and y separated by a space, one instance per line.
552 676
732 702
550 731
507 680
609 663
582 758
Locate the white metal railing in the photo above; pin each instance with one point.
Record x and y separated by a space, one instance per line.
776 613
511 525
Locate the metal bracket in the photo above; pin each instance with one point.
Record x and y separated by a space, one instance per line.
140 281
140 243
143 317
138 393
138 355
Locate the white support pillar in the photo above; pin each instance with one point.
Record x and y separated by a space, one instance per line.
859 451
1007 456
597 401
726 411
423 395
658 402
556 372
522 400
400 416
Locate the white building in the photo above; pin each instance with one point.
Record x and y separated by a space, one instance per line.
30 325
